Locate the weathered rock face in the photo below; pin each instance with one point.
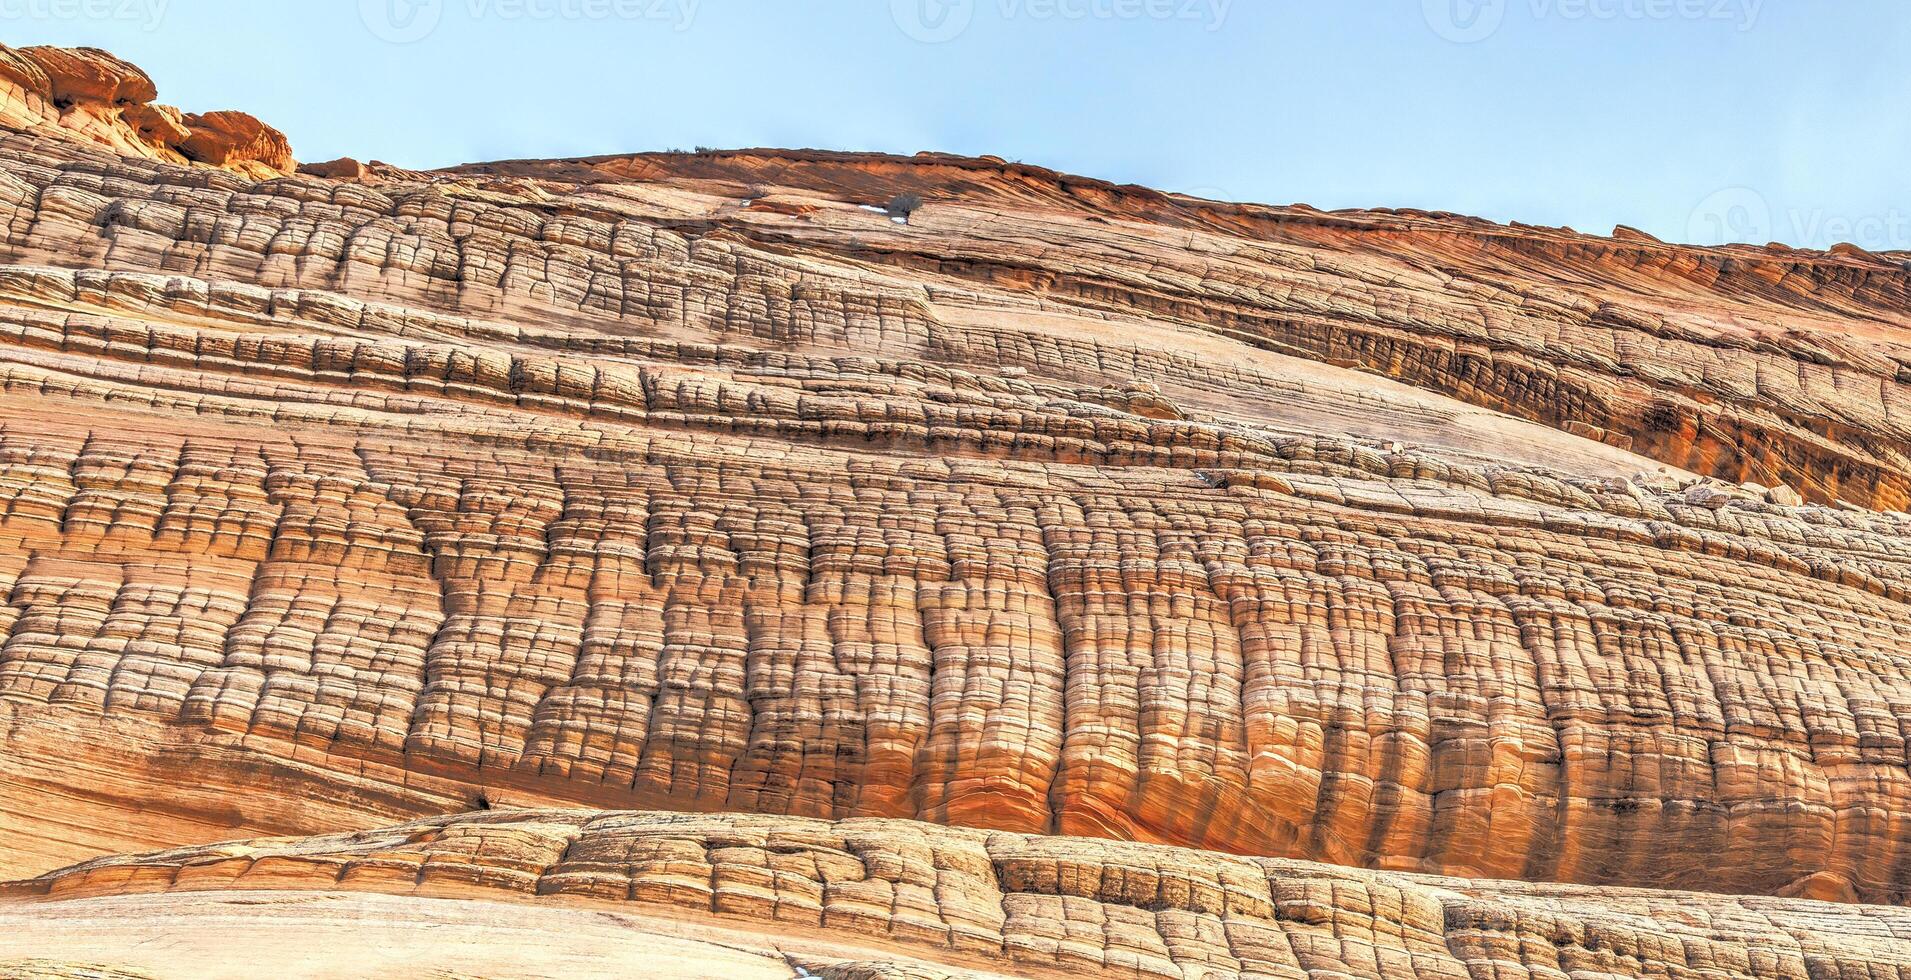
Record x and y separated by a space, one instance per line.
897 899
1740 363
702 483
642 495
89 94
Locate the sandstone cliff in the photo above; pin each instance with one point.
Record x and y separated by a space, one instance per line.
700 482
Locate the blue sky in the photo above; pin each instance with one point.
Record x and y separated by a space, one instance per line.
1696 120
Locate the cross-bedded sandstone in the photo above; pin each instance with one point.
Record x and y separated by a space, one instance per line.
745 528
693 482
898 899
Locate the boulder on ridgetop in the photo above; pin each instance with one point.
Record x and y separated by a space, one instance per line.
343 168
91 75
159 124
228 138
24 72
90 95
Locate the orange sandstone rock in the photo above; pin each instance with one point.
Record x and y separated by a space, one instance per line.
235 140
88 94
343 168
77 75
588 509
1392 540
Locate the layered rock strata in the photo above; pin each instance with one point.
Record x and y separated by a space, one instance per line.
894 899
1772 365
704 483
593 494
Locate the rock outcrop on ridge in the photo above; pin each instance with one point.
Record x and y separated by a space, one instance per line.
714 482
89 94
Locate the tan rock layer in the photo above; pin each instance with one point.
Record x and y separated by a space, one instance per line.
1024 514
1772 365
867 572
965 899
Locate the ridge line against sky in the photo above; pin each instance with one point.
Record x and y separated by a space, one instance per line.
1701 121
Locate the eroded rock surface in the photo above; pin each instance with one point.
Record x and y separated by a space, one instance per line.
88 94
1771 365
591 494
897 899
702 483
